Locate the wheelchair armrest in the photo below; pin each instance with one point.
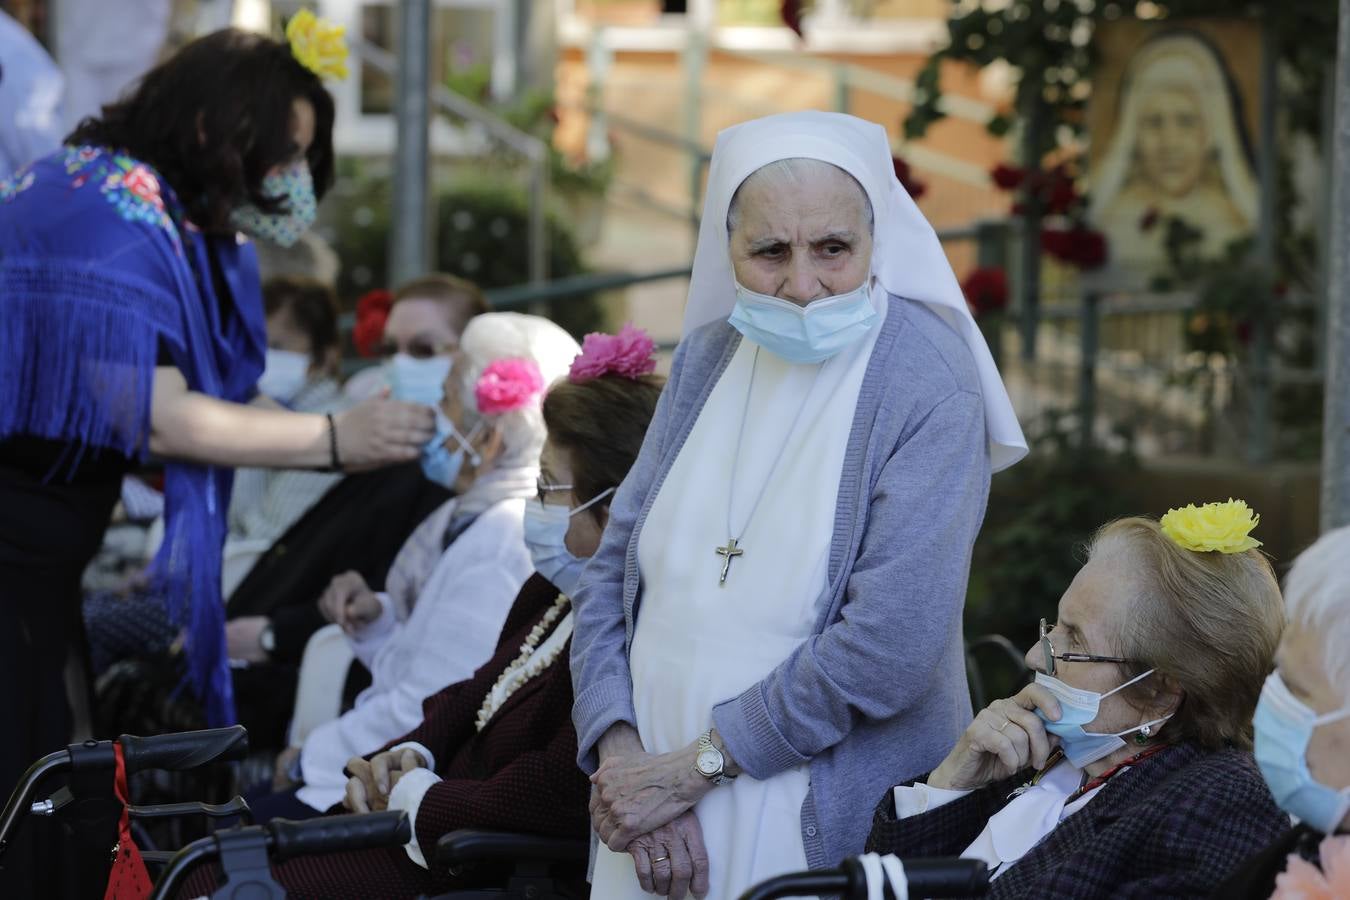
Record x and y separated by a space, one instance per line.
459 848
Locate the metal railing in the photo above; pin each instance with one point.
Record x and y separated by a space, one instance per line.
534 150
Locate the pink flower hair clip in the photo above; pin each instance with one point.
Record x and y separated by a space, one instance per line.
629 354
507 385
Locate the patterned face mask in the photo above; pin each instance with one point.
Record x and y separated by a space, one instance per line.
295 186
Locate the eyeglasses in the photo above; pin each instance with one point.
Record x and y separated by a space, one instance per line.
544 489
1048 649
417 349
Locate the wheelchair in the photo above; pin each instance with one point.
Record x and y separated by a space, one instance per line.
928 878
89 812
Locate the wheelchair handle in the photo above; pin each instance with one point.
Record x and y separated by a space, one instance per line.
282 839
932 878
185 750
334 834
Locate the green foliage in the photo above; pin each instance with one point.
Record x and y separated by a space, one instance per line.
483 235
482 230
1041 513
1050 44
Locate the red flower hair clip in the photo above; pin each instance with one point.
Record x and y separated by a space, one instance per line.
630 354
372 313
507 385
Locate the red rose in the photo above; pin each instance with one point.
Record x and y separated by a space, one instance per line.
986 290
1061 197
1007 177
1078 246
905 175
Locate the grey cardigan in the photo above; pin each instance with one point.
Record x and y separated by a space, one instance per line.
878 692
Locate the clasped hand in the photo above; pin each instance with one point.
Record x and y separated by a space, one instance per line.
349 602
373 780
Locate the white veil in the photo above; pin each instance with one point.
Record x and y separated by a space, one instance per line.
907 259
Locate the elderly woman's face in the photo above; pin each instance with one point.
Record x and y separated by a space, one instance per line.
1092 614
555 468
804 244
1301 662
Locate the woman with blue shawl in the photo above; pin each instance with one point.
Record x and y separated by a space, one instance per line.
133 327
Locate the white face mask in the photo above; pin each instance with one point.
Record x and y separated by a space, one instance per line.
284 375
546 526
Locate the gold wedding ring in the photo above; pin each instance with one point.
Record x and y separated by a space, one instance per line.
660 859
1006 723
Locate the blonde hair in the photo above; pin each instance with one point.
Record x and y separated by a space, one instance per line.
1211 622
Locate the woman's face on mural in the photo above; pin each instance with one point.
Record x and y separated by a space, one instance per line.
1173 141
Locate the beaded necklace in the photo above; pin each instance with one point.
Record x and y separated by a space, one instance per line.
529 663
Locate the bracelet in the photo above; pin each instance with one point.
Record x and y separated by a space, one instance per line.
334 460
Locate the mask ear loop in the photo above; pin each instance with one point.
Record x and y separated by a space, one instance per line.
465 444
591 502
1141 732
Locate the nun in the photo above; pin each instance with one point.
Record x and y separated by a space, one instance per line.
770 633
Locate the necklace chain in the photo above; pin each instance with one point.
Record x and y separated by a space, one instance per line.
732 534
525 666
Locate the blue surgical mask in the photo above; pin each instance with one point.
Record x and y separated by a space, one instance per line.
442 465
808 334
1284 726
1078 707
295 186
415 380
284 375
546 527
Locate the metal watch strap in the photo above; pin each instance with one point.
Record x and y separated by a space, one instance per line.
705 742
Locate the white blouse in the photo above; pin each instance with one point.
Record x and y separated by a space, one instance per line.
1013 831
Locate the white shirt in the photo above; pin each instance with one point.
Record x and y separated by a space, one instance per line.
1014 830
446 636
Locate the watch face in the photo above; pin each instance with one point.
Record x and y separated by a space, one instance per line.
709 762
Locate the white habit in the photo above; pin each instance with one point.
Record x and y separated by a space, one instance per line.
698 644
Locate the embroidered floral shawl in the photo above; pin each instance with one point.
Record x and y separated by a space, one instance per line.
101 277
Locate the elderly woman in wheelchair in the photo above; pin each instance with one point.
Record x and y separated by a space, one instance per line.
1124 770
498 752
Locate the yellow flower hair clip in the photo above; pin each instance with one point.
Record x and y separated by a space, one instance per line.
318 45
1225 527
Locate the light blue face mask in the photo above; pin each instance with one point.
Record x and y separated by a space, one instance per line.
1284 726
415 380
546 527
442 465
808 334
1078 707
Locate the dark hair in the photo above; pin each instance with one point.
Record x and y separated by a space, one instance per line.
462 298
311 305
214 118
600 424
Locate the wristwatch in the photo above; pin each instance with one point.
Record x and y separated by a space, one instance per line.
267 640
710 763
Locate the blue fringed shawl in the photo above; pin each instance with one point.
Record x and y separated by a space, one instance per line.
100 274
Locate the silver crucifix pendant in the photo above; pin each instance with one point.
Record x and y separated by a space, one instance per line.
728 553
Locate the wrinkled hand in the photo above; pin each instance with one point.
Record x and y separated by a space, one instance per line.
672 861
380 432
349 602
373 781
281 773
636 793
1005 738
243 638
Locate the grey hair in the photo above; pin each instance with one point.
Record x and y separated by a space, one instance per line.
1317 598
493 336
786 174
